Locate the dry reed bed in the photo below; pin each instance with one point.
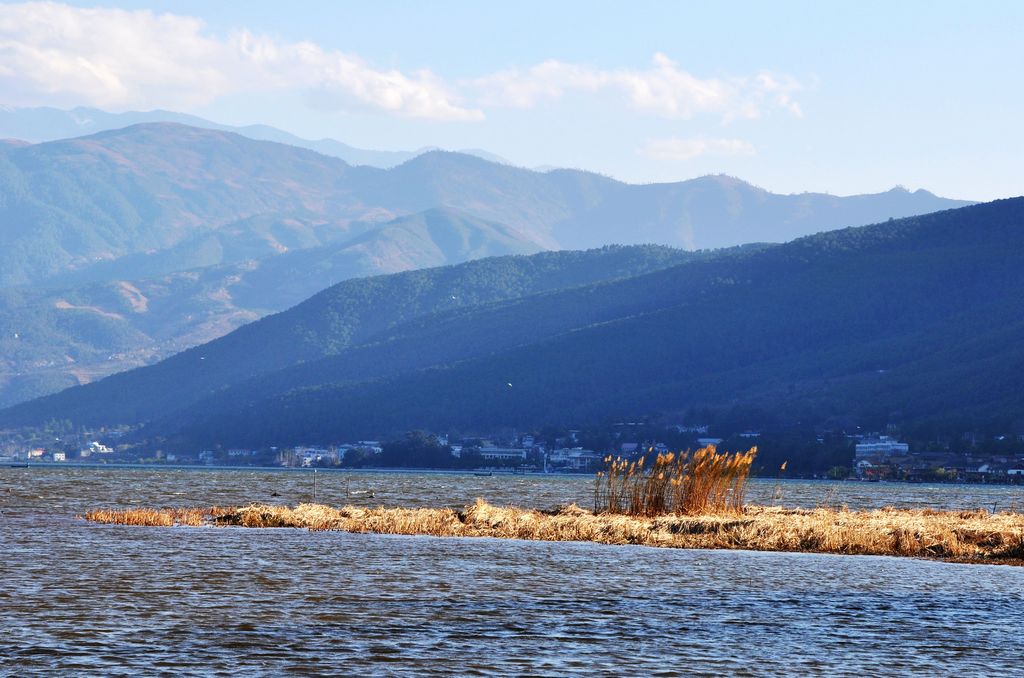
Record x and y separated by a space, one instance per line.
144 517
968 536
706 481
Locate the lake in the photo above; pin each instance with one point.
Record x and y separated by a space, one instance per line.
81 598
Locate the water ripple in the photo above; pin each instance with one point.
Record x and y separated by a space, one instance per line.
79 598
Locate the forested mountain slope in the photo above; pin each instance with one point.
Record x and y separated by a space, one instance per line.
354 312
52 339
917 319
121 248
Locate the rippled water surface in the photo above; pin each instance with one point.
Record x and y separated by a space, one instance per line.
82 598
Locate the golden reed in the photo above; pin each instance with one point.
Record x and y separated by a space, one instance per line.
706 481
965 536
192 517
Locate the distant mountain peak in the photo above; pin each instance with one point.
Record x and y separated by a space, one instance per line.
169 127
729 181
45 123
440 155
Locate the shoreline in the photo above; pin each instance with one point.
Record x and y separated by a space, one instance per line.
400 470
976 536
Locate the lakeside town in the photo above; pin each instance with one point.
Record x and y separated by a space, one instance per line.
872 456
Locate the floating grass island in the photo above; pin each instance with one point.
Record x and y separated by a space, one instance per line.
688 501
964 536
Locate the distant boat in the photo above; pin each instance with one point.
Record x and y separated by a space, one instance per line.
17 465
483 474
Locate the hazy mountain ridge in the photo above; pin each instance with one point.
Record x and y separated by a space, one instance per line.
156 204
42 124
76 335
353 312
848 323
855 322
74 205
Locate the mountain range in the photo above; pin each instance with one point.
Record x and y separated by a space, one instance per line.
907 321
156 198
120 248
54 338
45 123
355 312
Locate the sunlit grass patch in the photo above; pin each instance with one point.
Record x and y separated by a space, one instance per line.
193 517
966 536
706 481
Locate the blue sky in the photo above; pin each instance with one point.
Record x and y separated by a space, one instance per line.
836 97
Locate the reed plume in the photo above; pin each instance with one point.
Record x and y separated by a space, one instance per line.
706 481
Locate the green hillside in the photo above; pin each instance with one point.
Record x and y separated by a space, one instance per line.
127 246
861 323
902 322
68 336
355 312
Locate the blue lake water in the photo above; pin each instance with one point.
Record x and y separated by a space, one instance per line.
109 600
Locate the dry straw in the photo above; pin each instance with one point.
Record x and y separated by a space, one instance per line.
706 481
144 517
967 536
680 501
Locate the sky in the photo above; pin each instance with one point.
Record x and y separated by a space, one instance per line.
838 97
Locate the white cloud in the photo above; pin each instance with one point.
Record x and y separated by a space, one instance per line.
56 54
675 149
664 89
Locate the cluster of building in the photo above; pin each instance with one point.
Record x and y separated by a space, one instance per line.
326 456
299 456
884 458
526 452
566 455
54 454
523 452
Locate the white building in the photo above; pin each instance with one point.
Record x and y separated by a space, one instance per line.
315 455
682 428
574 459
95 447
883 446
503 453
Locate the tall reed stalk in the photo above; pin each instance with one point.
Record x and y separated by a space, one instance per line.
706 481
